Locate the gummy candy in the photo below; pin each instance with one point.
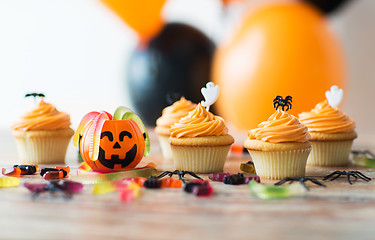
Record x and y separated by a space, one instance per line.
9 182
27 169
238 179
248 167
64 186
171 183
130 193
218 177
152 182
275 192
103 188
12 172
199 188
55 173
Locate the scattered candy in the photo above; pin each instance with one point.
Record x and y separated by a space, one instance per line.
218 177
200 188
180 174
235 179
27 169
232 179
64 186
12 172
152 182
275 192
248 167
364 158
55 173
130 193
18 170
103 188
171 183
124 183
238 149
9 182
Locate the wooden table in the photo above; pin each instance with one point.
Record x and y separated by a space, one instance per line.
340 211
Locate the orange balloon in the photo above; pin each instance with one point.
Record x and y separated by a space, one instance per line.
144 16
283 48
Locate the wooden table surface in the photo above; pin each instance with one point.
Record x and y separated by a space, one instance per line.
340 211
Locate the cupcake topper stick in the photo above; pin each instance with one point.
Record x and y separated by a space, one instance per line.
286 102
334 96
35 95
210 94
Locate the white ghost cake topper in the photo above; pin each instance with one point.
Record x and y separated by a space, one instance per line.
210 94
334 96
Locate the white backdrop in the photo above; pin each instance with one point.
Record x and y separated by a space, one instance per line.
75 51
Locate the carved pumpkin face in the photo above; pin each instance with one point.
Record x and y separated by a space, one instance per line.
122 145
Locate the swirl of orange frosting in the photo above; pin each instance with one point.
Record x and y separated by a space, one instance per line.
326 119
175 112
280 127
44 117
199 123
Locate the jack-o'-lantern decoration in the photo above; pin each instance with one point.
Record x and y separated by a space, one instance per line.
112 143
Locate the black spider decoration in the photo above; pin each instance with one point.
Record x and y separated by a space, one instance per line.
364 153
355 174
34 94
180 174
286 102
301 180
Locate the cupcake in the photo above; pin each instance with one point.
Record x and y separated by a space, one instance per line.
170 116
42 135
200 142
279 147
332 134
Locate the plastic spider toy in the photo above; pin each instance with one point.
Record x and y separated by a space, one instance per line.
180 174
301 180
354 174
64 186
279 101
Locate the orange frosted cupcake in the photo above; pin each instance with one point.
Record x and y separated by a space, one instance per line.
42 135
171 115
279 147
332 134
200 142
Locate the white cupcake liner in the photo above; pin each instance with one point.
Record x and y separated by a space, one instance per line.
330 153
280 164
200 159
42 150
165 148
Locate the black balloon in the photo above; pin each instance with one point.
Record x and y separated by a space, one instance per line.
177 62
327 6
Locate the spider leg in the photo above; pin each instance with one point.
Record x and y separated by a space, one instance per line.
362 176
289 105
338 175
163 174
332 174
284 180
369 153
316 182
181 174
348 177
302 182
194 175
